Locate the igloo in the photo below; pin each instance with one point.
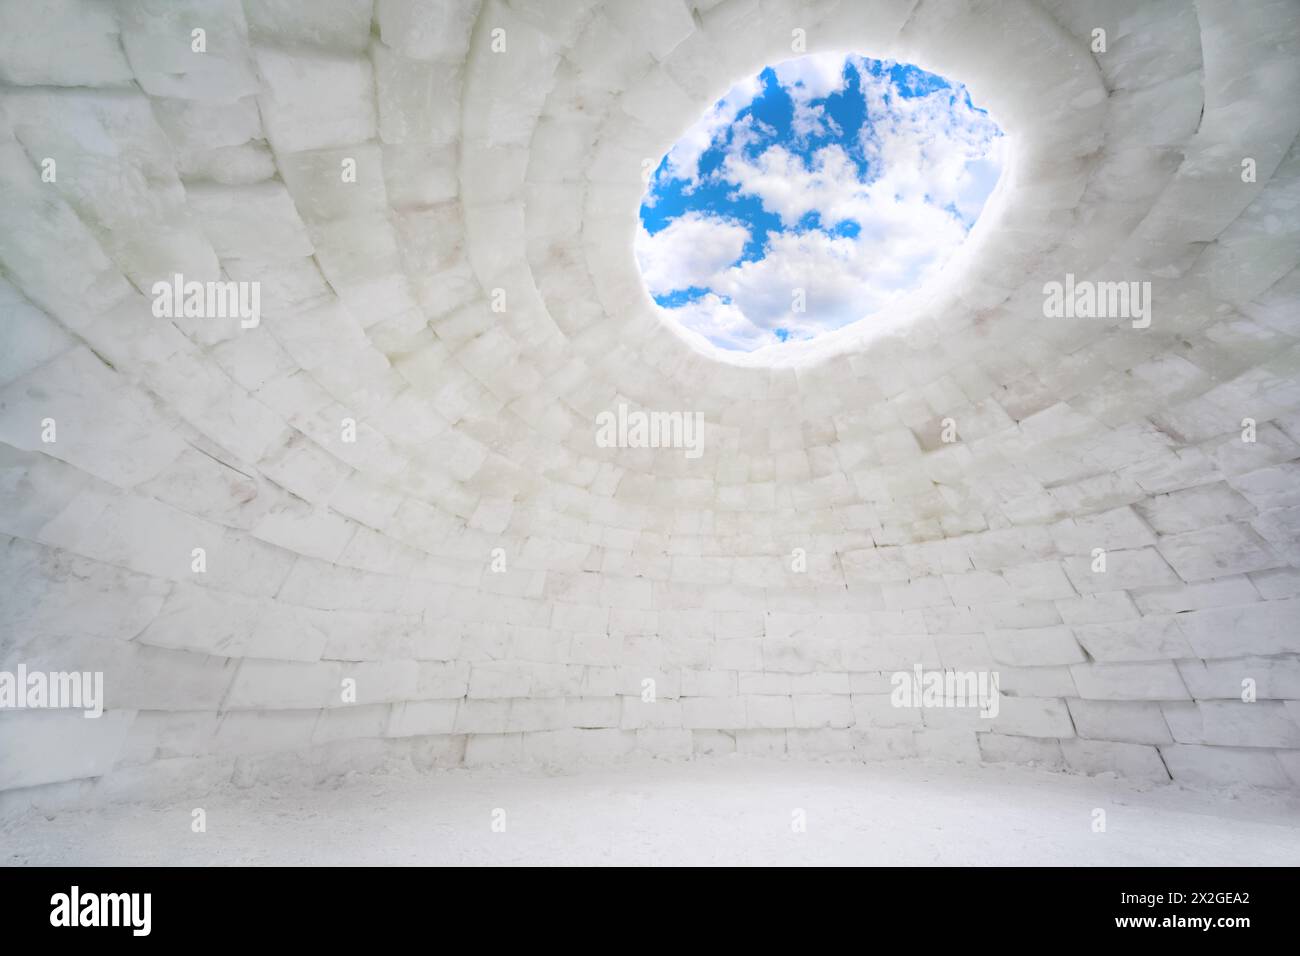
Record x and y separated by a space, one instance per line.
976 564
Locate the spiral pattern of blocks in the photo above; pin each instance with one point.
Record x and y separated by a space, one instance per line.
376 526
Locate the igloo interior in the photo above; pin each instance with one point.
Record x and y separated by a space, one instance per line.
355 561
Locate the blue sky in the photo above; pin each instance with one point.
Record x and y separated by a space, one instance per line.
839 182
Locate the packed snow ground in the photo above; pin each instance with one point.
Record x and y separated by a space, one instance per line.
732 810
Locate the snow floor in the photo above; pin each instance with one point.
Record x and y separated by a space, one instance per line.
733 810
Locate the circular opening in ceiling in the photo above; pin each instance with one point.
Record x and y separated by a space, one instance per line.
814 195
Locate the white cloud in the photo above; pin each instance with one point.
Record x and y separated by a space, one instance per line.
688 251
722 323
812 77
842 278
931 161
812 121
791 188
977 181
684 157
919 150
922 145
809 78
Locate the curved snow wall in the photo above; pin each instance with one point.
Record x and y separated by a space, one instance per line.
372 522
